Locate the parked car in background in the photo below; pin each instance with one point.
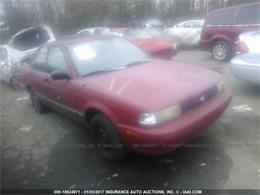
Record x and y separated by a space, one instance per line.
154 26
159 47
91 31
149 23
186 33
130 100
223 26
246 65
20 47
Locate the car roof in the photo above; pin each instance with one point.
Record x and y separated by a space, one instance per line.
90 29
145 21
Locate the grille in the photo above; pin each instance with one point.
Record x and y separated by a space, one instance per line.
199 99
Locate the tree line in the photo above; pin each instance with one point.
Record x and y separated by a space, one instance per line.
68 16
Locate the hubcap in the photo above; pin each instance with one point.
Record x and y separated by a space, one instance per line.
220 52
103 140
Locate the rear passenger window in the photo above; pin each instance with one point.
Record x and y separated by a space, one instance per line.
39 62
56 59
249 15
223 17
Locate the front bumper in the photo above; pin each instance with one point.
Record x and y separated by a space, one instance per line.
167 53
169 136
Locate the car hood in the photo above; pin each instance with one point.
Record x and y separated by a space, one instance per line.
153 45
154 85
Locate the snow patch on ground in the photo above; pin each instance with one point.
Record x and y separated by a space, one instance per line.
22 98
242 108
25 128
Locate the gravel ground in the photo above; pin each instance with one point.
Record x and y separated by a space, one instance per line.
49 151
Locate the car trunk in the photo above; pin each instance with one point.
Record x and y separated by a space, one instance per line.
30 39
25 43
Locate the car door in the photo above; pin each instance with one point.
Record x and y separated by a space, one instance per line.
184 31
195 32
62 92
191 32
39 72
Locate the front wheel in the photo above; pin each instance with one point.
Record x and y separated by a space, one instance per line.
221 51
37 104
109 144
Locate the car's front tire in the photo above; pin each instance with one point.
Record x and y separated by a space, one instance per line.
221 51
108 142
37 104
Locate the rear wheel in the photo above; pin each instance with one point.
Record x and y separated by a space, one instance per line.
109 144
37 104
221 51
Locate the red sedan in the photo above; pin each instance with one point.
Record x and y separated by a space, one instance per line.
130 100
158 46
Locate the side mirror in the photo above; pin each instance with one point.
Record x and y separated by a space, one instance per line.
60 75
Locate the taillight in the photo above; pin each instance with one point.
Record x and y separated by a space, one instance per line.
241 47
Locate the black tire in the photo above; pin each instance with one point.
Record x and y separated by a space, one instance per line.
109 144
38 105
15 82
221 51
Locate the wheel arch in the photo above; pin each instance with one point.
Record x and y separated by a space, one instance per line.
216 39
93 109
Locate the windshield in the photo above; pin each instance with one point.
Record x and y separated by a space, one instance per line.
105 54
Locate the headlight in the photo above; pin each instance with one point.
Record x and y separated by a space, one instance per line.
220 85
147 119
169 113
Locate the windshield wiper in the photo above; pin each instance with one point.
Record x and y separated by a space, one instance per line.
137 62
116 68
104 70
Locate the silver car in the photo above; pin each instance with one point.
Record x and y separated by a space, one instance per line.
91 31
246 65
19 48
186 33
